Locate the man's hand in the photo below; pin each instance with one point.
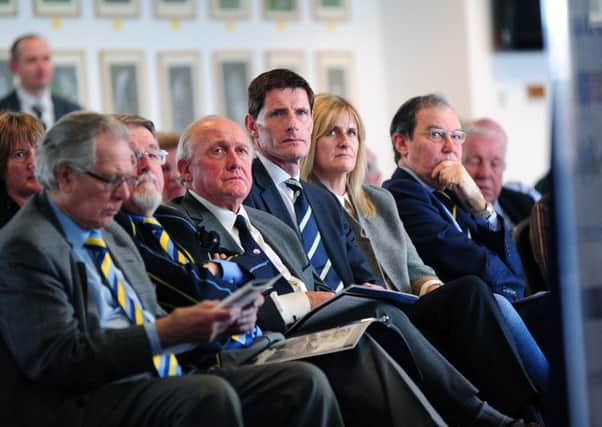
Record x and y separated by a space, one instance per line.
214 268
451 174
247 317
202 322
318 297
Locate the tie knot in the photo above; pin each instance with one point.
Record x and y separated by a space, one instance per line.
95 240
38 110
241 222
294 184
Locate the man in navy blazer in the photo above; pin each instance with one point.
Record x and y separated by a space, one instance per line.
455 230
30 61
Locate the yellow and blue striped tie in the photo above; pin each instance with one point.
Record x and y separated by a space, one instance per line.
164 240
165 364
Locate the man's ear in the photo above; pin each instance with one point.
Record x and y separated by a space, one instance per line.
184 171
12 66
251 125
400 143
64 175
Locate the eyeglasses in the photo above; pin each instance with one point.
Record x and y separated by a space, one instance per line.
158 156
112 184
438 136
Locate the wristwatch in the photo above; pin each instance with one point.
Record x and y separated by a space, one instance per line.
486 213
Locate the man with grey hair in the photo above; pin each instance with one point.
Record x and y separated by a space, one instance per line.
484 157
31 62
83 340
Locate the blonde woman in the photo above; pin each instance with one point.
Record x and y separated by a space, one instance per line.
337 160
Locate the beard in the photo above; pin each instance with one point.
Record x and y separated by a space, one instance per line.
145 195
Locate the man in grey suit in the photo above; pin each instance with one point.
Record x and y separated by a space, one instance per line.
31 62
214 160
83 340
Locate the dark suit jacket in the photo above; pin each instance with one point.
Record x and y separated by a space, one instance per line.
52 347
515 204
61 105
491 255
339 242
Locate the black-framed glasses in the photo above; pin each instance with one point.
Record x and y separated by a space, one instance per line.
112 184
439 136
155 156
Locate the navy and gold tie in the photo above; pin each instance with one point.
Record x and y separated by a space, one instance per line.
165 241
311 238
165 364
265 269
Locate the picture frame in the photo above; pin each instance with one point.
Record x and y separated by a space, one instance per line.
293 60
9 7
7 80
179 88
175 9
335 73
233 70
331 10
117 8
595 13
281 10
229 9
56 7
69 79
123 81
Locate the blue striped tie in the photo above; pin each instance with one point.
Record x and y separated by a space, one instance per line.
312 240
165 364
263 270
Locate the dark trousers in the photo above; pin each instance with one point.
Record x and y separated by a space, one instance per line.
286 394
372 389
464 323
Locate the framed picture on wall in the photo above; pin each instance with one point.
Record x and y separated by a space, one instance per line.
175 9
331 10
8 7
281 9
229 9
293 60
69 79
123 82
179 88
6 77
335 73
117 8
595 13
233 70
56 7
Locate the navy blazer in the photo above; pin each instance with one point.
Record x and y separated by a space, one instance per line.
60 105
491 255
515 204
337 236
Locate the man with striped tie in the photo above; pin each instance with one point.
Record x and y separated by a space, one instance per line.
83 340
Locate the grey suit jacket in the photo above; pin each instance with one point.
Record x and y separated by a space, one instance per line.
386 244
275 232
51 341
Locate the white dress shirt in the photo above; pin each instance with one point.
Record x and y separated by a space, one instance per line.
291 306
28 101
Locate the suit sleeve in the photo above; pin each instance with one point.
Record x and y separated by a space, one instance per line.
452 253
56 342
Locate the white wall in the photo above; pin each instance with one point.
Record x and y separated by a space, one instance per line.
401 48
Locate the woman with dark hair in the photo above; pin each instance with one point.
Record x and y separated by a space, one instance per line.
337 160
19 134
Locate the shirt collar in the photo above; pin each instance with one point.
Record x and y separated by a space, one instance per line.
417 178
74 234
277 174
225 216
28 100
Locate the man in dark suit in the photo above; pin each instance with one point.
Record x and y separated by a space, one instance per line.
31 62
484 157
455 230
83 340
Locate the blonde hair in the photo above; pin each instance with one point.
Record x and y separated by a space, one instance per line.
327 108
17 128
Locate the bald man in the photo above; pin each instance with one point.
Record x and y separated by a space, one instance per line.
484 157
